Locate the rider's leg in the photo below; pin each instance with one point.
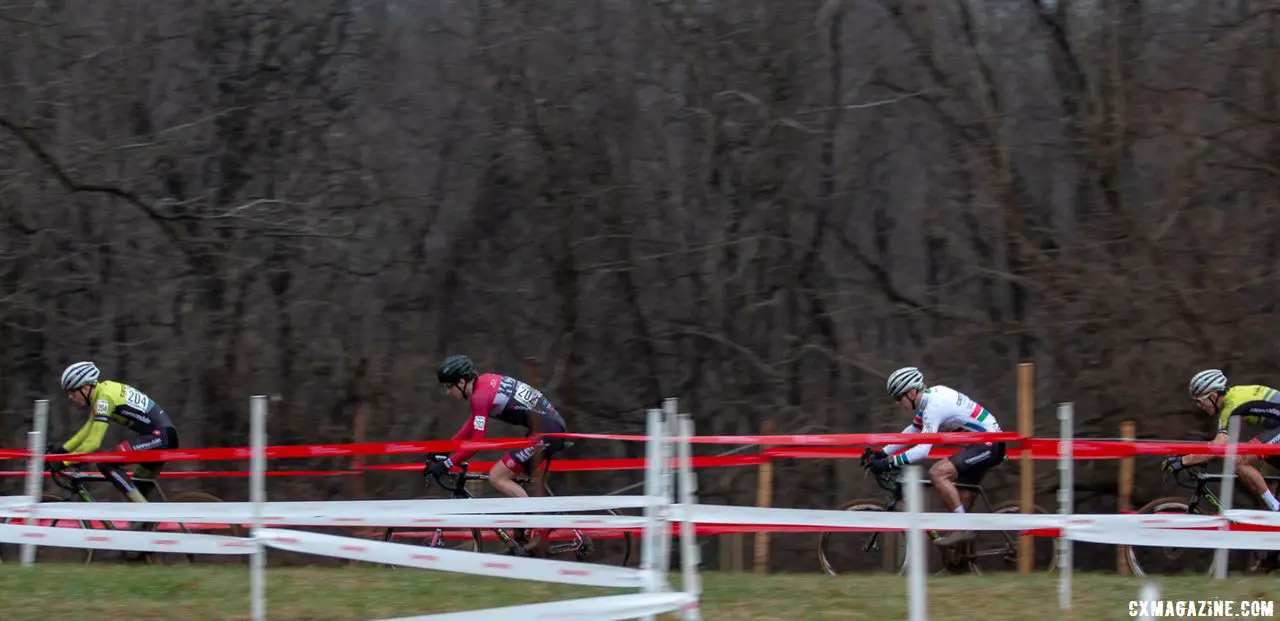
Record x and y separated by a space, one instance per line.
969 464
1252 478
121 481
943 476
500 477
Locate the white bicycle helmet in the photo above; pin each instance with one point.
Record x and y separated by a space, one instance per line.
1206 383
904 379
80 374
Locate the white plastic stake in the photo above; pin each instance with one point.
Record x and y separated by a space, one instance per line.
670 433
257 496
689 553
916 610
652 480
1066 492
35 472
1150 593
1221 557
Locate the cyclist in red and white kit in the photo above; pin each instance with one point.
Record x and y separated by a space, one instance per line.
941 409
506 399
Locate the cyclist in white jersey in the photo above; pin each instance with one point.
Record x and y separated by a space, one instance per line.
941 409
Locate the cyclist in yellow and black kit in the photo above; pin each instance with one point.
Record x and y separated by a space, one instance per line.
1254 404
113 402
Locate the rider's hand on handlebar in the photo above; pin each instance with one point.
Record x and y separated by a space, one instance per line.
1172 464
881 465
437 469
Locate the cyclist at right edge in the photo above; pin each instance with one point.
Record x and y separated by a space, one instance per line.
1254 404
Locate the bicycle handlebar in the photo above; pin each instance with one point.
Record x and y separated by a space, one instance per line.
458 479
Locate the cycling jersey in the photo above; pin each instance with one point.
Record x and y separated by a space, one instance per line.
113 402
943 409
509 400
1255 404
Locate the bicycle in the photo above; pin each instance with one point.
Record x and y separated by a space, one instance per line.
1202 560
580 544
994 549
74 483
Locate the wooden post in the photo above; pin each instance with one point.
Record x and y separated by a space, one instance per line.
356 487
731 552
1124 497
1027 473
764 498
355 483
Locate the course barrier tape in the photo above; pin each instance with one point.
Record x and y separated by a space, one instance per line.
331 513
830 447
443 446
607 608
508 513
586 465
833 439
1176 538
203 474
458 561
101 539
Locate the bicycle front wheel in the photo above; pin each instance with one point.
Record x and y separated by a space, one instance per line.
997 550
52 554
1148 560
845 551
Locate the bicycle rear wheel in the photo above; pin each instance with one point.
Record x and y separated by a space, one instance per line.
604 546
226 530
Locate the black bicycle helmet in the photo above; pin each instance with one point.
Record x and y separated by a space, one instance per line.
455 368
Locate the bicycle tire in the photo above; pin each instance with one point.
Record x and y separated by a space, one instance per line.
1010 544
826 552
627 548
233 530
1167 504
53 554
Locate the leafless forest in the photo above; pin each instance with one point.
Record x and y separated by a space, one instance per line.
759 207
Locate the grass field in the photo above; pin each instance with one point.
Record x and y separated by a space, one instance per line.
152 593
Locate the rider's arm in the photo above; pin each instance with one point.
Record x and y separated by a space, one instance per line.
1191 460
894 448
473 429
919 451
90 437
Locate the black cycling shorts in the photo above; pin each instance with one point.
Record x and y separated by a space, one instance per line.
519 461
974 461
1271 436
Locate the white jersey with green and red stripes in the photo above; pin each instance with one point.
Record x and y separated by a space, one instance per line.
941 410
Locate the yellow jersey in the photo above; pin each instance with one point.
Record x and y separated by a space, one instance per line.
1255 404
113 402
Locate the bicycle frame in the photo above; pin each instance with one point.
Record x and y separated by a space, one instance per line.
74 485
953 555
459 491
1199 486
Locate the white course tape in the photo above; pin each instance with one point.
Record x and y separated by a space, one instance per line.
103 539
610 608
1177 538
1247 516
13 501
480 564
335 513
880 520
